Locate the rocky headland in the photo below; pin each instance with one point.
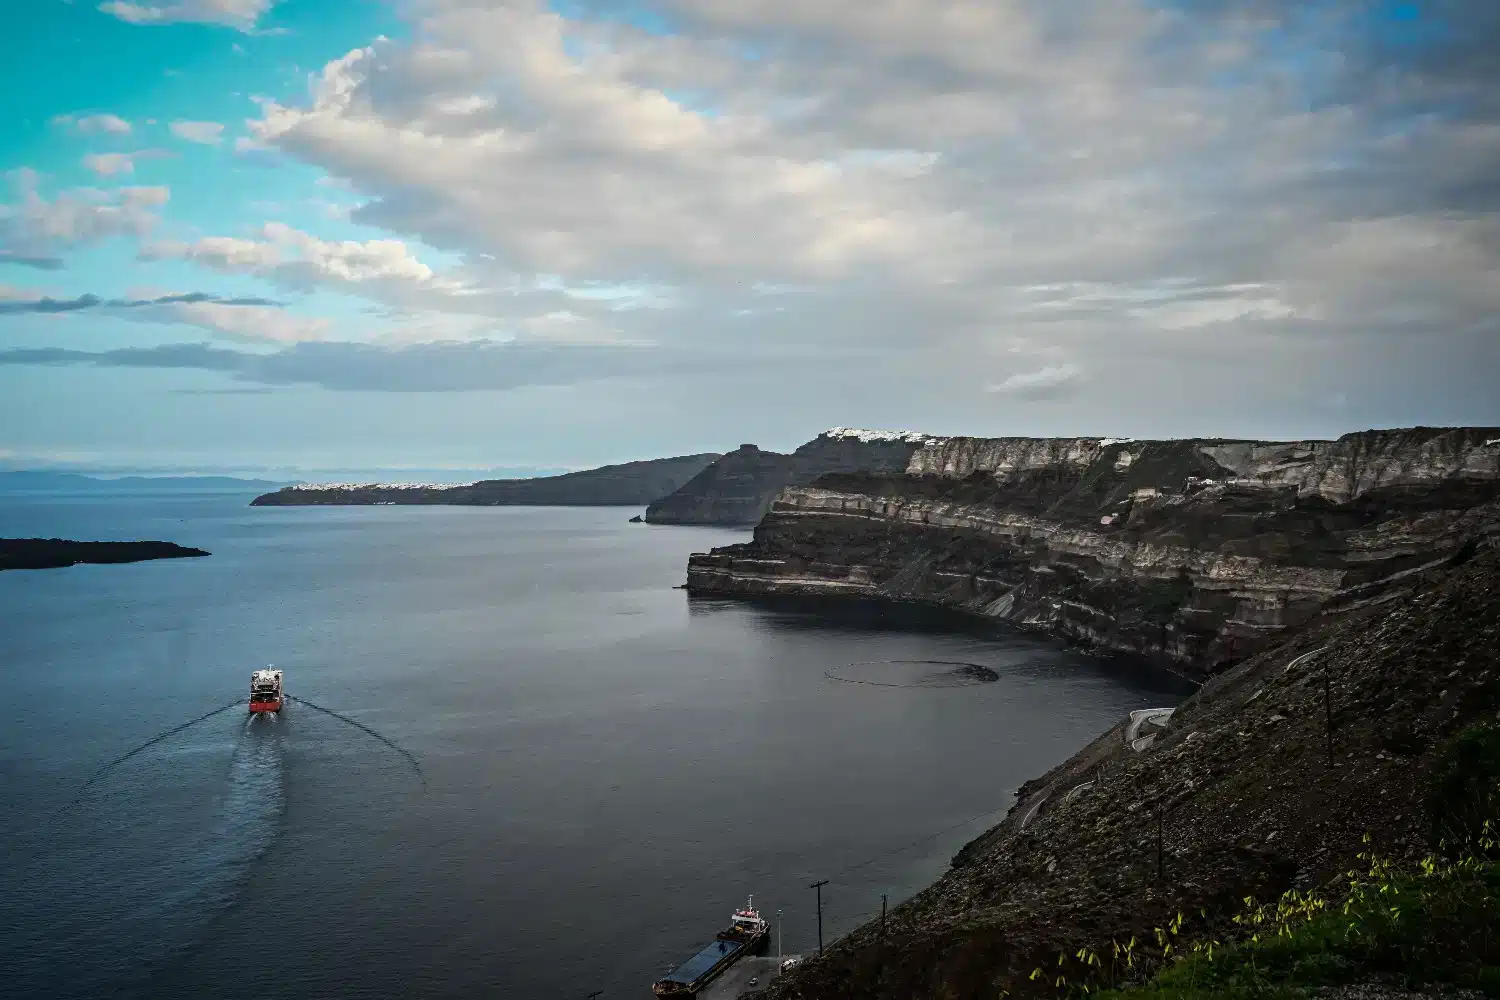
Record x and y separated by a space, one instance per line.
54 553
740 487
1193 553
624 485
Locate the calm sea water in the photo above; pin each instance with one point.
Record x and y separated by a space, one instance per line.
604 767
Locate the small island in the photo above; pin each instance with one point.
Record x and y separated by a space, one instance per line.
51 553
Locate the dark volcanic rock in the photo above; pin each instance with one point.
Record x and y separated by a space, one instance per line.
51 553
740 487
630 484
1194 553
737 489
1240 787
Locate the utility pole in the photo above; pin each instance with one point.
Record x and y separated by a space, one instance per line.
1328 708
819 886
880 966
1161 859
778 939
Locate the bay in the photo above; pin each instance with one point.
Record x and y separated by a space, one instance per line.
604 767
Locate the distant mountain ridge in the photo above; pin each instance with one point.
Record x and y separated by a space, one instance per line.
627 484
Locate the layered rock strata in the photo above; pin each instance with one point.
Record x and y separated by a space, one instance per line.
1196 553
740 487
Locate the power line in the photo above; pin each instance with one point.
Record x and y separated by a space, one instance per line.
922 840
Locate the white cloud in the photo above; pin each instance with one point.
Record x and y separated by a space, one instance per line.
946 153
110 164
35 227
204 133
100 124
1159 192
1051 381
296 259
241 14
251 324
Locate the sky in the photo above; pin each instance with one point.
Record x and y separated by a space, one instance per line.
250 235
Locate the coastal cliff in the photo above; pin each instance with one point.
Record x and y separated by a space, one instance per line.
1192 553
1370 732
740 487
628 484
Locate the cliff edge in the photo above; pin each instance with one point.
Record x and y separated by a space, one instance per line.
740 487
1194 553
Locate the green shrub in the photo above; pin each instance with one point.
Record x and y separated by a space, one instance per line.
1465 790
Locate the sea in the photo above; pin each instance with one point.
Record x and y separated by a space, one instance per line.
520 761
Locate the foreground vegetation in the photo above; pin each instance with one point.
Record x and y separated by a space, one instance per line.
1433 922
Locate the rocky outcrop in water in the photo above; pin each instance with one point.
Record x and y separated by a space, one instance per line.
1194 553
55 553
740 487
628 484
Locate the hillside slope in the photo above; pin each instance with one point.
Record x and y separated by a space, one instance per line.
740 487
1248 791
628 484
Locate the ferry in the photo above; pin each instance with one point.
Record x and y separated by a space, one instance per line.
265 691
745 934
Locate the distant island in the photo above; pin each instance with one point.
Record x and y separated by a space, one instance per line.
53 553
623 485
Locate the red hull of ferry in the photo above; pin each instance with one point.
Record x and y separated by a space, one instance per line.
265 706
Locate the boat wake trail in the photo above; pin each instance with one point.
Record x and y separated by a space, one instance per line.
148 744
410 757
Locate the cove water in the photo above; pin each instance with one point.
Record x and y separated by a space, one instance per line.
605 768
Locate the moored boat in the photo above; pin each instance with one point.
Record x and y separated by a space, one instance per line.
745 934
266 694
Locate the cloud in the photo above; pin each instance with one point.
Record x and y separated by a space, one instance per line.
343 366
242 321
295 259
110 164
21 303
241 14
203 133
33 228
1139 182
846 212
1048 383
246 319
40 263
100 124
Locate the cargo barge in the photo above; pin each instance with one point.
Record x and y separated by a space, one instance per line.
746 933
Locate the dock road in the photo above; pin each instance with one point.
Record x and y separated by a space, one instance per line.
735 982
